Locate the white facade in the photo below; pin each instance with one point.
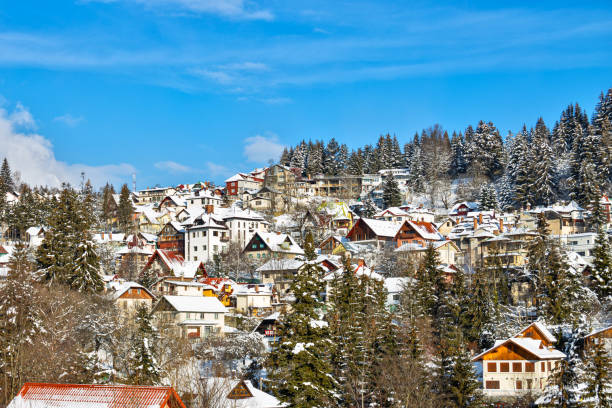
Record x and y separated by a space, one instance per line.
515 377
582 244
203 242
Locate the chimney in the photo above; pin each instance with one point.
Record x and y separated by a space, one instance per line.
110 236
209 208
475 223
501 225
102 236
361 262
480 219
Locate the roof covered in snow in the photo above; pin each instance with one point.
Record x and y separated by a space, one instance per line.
201 304
248 395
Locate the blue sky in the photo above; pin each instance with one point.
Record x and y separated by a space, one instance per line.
183 90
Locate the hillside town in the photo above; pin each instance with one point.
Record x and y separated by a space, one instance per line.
312 285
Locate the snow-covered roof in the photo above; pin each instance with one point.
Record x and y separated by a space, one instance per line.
542 329
223 387
118 288
281 264
383 228
177 264
201 304
280 242
528 344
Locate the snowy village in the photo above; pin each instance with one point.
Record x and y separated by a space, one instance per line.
305 204
461 271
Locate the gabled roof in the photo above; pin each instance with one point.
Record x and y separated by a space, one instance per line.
382 228
35 395
200 304
532 346
426 230
540 328
119 288
176 263
280 242
240 394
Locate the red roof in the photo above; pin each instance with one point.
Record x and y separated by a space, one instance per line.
111 396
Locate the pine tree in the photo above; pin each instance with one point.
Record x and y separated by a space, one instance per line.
55 255
429 281
598 376
342 159
392 197
125 209
458 161
6 177
459 380
299 367
107 203
486 150
144 367
330 158
355 163
285 158
544 169
298 160
488 197
416 175
21 320
565 389
315 159
369 209
602 255
86 274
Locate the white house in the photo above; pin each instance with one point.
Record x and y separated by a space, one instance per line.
253 299
242 224
230 393
194 316
208 236
521 364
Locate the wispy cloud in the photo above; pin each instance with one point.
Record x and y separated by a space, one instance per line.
261 149
173 167
216 170
32 155
232 9
69 120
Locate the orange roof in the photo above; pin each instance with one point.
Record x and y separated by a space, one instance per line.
95 396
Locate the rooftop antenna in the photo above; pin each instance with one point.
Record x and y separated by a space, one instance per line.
134 182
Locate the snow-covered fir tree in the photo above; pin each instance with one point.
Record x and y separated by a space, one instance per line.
392 196
330 158
299 367
598 376
144 368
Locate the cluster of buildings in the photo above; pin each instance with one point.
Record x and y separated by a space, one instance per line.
260 219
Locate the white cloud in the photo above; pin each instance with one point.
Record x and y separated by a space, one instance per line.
21 117
214 169
69 120
260 149
173 167
32 155
246 66
217 76
233 9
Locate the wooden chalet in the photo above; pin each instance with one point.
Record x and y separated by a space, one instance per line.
521 364
172 238
128 296
95 396
600 336
394 233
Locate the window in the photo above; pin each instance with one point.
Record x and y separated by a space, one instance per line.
492 385
492 367
549 366
195 248
519 385
216 316
203 233
202 316
529 367
195 258
529 382
215 233
517 367
396 297
504 367
543 367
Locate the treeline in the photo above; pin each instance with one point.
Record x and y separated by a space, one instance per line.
536 165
